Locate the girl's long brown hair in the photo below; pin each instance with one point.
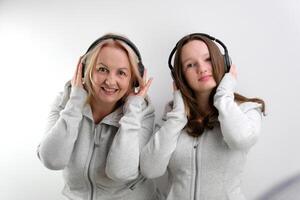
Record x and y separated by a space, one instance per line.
197 121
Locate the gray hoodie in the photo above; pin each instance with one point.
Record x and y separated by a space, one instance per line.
99 161
207 167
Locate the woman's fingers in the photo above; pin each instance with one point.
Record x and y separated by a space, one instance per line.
145 77
79 74
146 87
77 78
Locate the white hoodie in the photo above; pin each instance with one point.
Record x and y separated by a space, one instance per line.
99 161
208 167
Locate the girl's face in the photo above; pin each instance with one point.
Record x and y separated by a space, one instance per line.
111 75
197 67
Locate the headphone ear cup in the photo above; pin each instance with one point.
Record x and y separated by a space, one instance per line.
227 62
174 78
83 68
136 84
141 69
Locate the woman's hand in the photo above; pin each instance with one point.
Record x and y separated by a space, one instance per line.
143 89
233 71
77 78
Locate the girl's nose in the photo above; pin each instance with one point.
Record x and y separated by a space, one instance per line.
201 68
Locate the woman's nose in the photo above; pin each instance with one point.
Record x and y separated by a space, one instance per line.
110 79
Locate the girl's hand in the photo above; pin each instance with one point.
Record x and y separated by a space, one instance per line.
233 71
143 89
77 78
174 87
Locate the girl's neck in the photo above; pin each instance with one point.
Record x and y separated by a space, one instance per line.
203 103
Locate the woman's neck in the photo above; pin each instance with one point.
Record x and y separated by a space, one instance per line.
100 110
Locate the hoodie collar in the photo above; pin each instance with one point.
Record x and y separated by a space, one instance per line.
112 119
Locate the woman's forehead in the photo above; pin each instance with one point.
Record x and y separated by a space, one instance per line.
113 55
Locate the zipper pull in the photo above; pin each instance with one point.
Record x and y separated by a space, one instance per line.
196 143
96 138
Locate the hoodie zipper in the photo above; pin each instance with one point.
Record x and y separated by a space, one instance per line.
90 162
197 145
196 167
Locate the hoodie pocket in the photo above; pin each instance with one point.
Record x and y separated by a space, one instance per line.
142 189
139 180
235 194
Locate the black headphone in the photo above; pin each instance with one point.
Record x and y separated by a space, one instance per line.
227 59
141 67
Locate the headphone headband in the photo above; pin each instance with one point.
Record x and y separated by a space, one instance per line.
226 55
141 67
116 37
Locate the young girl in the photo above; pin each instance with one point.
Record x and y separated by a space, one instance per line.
207 129
98 125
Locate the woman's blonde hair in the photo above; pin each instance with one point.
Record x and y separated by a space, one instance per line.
90 60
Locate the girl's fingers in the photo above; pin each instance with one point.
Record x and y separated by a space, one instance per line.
233 71
174 86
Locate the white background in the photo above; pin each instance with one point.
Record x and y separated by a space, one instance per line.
41 41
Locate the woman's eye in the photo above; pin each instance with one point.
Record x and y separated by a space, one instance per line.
102 69
122 73
208 59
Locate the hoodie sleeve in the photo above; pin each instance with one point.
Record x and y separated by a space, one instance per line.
156 154
136 127
240 124
62 129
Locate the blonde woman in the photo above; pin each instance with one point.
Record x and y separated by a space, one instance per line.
97 126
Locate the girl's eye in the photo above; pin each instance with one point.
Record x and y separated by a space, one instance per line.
208 59
191 65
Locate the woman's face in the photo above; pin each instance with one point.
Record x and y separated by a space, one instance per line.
197 67
111 75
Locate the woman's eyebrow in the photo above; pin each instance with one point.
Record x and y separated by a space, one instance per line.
119 68
100 63
124 68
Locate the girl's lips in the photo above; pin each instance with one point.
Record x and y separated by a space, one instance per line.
205 78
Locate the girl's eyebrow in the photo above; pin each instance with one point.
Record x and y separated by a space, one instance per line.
186 60
207 54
